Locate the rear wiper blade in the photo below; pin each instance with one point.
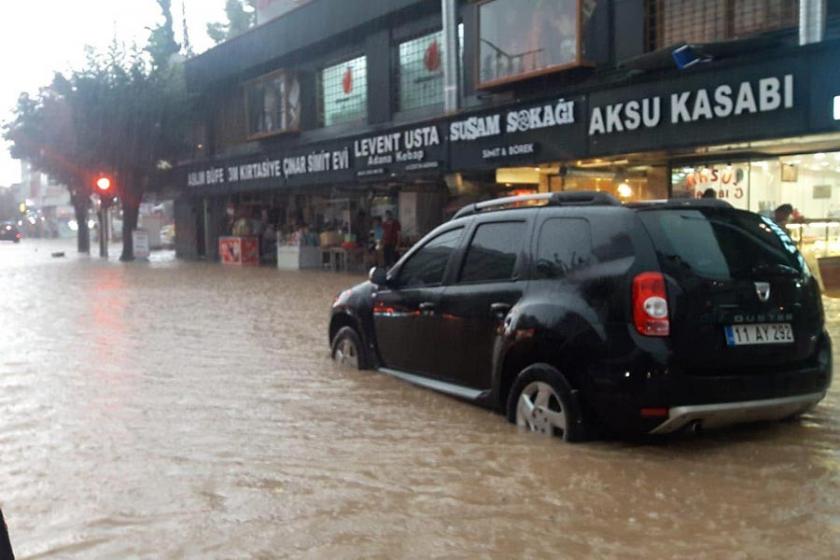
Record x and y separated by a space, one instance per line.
777 269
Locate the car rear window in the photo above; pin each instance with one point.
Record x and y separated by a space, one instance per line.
721 243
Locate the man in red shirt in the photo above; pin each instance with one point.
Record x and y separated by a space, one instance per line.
390 238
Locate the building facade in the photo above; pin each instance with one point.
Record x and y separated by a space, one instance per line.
334 112
44 205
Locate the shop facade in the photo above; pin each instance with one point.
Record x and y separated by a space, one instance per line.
339 136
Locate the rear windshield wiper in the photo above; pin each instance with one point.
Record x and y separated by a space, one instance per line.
776 269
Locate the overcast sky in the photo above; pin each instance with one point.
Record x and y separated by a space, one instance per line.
38 37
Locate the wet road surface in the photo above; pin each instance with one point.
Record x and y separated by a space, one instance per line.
183 410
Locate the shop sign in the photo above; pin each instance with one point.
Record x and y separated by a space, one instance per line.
724 101
245 172
317 162
552 129
396 147
729 182
253 171
519 120
741 103
508 151
410 150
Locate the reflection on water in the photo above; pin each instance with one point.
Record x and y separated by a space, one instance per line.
174 409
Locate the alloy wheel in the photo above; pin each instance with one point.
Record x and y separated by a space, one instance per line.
346 353
540 410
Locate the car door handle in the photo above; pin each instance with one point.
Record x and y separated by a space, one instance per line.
427 306
500 308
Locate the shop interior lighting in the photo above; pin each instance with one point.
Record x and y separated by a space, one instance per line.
601 163
837 107
625 190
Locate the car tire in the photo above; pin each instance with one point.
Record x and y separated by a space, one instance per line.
347 349
542 401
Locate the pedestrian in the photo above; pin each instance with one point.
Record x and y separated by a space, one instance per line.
390 238
782 214
375 241
5 543
709 193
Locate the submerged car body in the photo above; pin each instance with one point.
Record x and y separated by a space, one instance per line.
644 318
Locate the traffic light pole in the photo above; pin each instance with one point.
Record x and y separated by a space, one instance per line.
103 230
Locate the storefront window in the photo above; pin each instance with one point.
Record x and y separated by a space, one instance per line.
626 183
809 183
516 43
343 92
273 104
421 70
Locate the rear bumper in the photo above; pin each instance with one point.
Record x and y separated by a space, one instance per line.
617 394
718 415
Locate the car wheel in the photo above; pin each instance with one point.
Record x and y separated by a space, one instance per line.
541 400
347 349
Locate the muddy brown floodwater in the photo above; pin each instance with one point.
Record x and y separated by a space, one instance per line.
183 410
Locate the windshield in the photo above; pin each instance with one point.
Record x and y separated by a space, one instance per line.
721 243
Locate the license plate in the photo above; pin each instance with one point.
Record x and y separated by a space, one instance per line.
760 333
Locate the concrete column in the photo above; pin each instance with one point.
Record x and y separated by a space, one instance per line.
811 21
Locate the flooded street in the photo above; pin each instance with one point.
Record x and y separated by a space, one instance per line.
188 410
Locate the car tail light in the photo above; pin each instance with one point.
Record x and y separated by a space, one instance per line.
650 304
654 412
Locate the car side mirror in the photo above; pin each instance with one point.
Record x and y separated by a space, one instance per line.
378 276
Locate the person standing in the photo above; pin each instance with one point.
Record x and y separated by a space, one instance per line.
390 238
783 214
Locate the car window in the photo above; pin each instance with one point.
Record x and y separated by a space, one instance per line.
564 246
721 244
427 265
493 251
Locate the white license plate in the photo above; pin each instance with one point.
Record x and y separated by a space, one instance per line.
760 333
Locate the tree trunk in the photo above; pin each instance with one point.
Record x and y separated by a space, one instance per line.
131 211
81 206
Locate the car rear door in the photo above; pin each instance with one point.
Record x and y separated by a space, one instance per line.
743 298
474 306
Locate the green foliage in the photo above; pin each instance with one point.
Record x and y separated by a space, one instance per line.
122 113
162 46
241 16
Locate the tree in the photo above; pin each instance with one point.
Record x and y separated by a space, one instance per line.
43 133
241 16
162 46
125 112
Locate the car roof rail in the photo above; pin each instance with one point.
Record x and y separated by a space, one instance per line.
578 198
682 203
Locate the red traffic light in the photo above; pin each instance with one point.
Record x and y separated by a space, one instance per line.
103 184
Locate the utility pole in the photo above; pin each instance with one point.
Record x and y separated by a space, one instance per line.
104 229
449 15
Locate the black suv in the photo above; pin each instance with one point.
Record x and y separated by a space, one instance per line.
572 311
